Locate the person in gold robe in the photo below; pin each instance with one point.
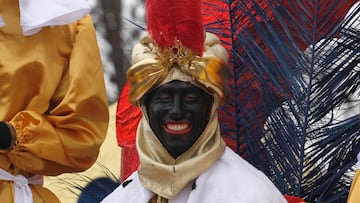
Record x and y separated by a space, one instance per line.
53 104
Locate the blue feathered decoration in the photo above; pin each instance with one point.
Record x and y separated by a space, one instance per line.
294 113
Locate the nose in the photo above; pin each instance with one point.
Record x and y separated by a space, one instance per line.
176 108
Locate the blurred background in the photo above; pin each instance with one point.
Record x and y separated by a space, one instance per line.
119 23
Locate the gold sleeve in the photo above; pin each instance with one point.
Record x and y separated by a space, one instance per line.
354 194
67 136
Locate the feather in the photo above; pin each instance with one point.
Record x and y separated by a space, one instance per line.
89 189
97 190
294 113
172 20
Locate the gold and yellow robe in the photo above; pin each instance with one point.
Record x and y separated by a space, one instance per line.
52 91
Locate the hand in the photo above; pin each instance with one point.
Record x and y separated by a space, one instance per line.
7 137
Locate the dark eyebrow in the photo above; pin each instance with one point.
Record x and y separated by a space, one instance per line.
170 86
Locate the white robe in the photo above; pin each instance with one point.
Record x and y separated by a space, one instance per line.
231 179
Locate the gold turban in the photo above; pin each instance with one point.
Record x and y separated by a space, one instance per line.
152 67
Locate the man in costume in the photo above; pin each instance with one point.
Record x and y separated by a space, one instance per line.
53 112
179 79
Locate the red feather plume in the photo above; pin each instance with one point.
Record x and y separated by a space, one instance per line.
168 20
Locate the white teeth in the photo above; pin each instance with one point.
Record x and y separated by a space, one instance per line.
177 127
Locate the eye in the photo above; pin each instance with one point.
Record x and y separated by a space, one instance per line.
191 97
163 97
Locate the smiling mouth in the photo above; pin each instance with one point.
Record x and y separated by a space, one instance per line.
177 128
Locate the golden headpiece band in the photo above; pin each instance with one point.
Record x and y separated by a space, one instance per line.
152 66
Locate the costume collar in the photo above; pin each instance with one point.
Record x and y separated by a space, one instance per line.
166 176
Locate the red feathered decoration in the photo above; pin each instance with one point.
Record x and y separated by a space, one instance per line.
168 20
